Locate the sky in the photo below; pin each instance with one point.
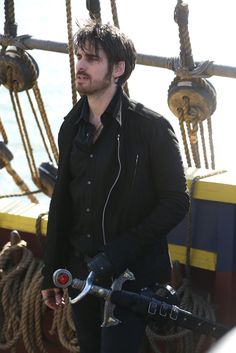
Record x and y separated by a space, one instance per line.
150 24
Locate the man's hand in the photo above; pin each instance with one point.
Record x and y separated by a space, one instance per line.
53 298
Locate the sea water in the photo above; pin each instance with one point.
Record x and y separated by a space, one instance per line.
147 85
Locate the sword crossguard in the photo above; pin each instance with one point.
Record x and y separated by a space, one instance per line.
87 287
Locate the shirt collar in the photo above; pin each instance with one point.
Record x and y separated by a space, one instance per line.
113 109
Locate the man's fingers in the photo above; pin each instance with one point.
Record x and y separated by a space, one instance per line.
59 300
53 298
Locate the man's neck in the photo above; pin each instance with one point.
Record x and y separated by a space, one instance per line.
98 104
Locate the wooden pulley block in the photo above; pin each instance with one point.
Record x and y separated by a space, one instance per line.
5 155
24 70
200 93
47 175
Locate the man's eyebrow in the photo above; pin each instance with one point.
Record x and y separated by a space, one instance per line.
88 54
92 56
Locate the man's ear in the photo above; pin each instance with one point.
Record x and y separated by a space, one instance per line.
118 69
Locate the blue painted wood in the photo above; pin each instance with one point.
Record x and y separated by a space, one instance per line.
213 229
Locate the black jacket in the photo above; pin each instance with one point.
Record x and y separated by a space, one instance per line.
146 200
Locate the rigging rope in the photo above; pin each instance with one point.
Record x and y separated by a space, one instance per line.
39 126
71 50
27 193
114 13
25 137
181 17
116 23
43 113
21 184
5 162
10 27
93 6
3 132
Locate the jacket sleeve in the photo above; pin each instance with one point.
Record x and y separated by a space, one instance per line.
172 200
56 246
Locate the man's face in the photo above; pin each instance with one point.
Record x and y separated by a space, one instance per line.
92 71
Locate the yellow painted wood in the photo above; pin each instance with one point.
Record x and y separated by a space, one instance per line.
21 223
199 258
220 188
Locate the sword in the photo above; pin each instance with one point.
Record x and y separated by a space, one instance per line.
147 306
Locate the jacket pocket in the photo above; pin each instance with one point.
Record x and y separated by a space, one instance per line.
134 171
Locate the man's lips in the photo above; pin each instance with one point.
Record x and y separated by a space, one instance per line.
82 77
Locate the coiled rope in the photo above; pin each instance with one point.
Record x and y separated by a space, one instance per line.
21 307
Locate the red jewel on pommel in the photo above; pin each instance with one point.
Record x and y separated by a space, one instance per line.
62 278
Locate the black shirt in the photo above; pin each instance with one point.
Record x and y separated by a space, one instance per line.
91 164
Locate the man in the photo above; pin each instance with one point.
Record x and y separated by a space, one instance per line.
120 189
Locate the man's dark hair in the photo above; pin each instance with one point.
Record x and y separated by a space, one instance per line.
116 45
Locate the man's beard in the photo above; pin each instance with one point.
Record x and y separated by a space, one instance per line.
95 87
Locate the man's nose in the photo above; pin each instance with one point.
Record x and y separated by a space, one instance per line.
81 64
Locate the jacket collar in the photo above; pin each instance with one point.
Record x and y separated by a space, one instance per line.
80 109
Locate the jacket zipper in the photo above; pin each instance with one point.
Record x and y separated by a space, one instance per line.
111 189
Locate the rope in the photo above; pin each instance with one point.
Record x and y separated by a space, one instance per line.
10 27
66 336
21 307
71 50
192 132
210 134
114 13
21 184
33 70
184 138
24 136
3 132
116 23
190 225
203 144
27 193
38 226
43 113
39 126
94 8
181 18
191 113
26 58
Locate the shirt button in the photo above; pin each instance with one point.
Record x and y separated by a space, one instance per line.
91 155
89 182
87 209
89 235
